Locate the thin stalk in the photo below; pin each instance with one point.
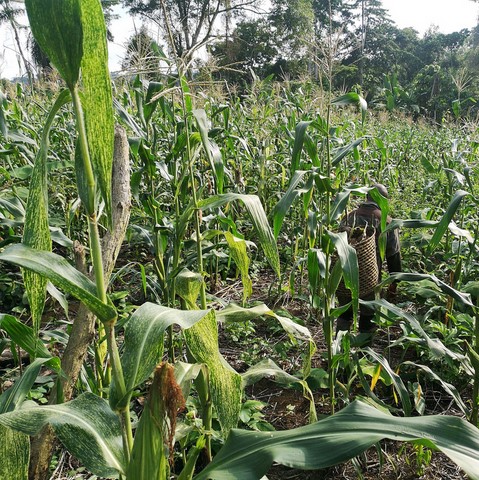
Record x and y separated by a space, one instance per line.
95 247
475 388
93 232
117 370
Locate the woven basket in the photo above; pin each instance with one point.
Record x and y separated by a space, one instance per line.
367 262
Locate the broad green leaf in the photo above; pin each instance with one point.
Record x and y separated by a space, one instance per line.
97 99
340 153
143 346
396 381
249 455
225 383
384 206
446 219
239 252
86 426
463 298
299 135
36 233
14 454
349 262
353 98
61 274
185 373
212 151
57 27
258 218
436 348
23 336
286 201
13 398
186 94
448 388
268 369
235 313
316 268
188 286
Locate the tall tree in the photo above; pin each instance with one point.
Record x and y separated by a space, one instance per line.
187 25
10 10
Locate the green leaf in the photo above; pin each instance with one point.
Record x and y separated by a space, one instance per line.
235 313
349 262
14 454
435 347
36 233
353 98
340 153
97 97
258 217
212 151
188 286
57 27
249 455
186 94
86 426
61 274
396 381
287 200
23 336
143 347
464 298
299 135
239 252
268 369
448 388
225 383
446 219
13 398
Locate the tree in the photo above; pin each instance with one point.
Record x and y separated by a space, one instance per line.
9 11
187 25
141 56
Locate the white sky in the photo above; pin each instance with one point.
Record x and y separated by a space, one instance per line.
447 15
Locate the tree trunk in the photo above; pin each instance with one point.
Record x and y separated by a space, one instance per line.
83 328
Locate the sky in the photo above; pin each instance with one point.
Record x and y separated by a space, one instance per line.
448 15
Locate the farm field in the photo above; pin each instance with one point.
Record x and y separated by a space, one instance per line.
170 259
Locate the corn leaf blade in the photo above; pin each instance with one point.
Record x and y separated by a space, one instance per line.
249 455
60 273
86 426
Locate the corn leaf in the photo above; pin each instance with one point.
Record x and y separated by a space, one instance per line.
86 426
258 217
234 313
349 262
287 200
212 151
446 219
249 455
61 274
23 336
14 454
239 252
396 381
225 383
36 233
268 369
299 135
464 298
57 27
97 99
144 343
